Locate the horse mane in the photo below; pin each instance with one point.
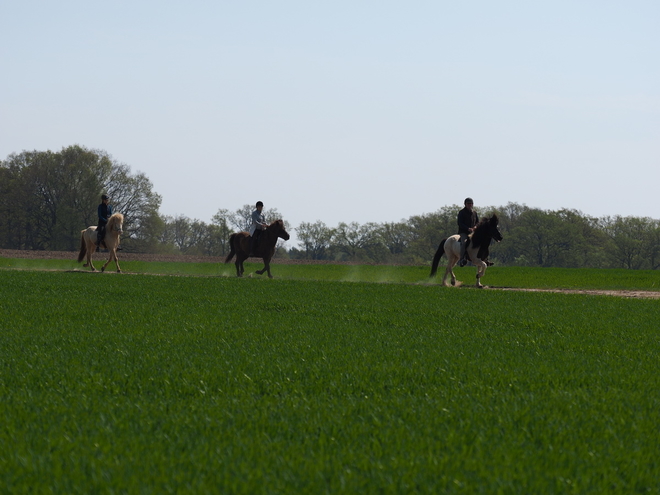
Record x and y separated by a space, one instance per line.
115 218
279 223
481 231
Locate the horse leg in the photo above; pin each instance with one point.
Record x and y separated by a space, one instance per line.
87 258
107 262
266 268
239 265
449 271
444 277
112 247
481 269
90 252
114 252
452 258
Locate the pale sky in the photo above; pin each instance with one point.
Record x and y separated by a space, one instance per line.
366 111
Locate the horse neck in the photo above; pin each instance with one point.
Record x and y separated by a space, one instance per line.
270 237
481 235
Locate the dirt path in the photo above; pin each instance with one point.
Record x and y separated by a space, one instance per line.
635 294
73 255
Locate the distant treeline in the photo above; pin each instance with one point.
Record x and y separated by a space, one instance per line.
47 198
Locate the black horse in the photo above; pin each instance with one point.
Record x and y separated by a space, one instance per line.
239 244
477 249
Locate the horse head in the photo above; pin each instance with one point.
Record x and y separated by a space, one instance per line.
116 223
486 230
493 231
278 228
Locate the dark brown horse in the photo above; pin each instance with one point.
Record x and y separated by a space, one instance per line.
240 246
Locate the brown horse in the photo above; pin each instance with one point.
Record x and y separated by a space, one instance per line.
113 230
240 246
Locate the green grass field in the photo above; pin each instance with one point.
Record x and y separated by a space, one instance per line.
205 383
521 277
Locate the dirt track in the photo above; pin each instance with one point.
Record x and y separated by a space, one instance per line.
124 256
635 294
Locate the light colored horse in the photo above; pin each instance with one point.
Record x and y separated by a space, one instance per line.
113 230
477 250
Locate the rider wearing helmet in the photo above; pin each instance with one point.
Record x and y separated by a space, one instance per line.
467 221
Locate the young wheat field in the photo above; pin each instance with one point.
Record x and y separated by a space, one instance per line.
180 378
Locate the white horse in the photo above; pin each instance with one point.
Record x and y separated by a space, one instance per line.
113 230
477 249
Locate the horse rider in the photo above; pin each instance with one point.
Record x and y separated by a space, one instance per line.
467 221
258 225
104 212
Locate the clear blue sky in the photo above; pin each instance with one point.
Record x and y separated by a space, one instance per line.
346 111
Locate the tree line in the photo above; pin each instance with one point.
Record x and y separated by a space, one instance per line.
532 237
47 198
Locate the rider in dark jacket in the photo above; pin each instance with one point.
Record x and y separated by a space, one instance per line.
467 221
104 212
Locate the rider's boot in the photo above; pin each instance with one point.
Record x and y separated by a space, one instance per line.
99 239
463 260
254 242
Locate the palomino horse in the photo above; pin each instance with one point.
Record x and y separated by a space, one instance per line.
240 246
113 229
477 249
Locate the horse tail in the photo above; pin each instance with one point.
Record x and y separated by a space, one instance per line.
436 258
232 249
83 247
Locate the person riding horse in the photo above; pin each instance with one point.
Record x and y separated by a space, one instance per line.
467 221
258 225
104 212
